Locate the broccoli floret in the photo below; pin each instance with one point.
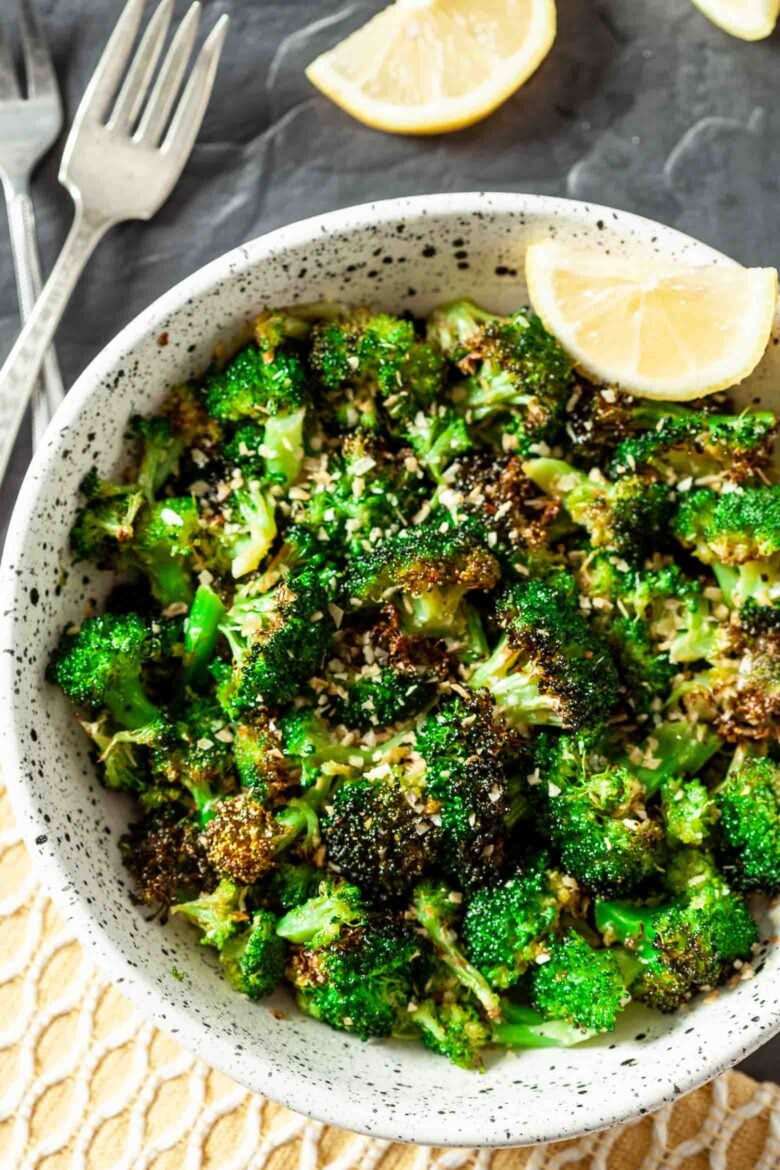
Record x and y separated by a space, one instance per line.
627 516
593 810
291 884
165 857
579 985
272 451
749 804
121 766
740 693
455 326
468 788
320 920
549 666
378 356
278 640
438 438
101 666
516 367
379 697
361 496
193 754
260 762
201 632
681 946
219 914
453 1030
256 383
436 909
253 961
360 983
379 834
427 572
505 927
680 443
689 811
243 840
106 523
162 547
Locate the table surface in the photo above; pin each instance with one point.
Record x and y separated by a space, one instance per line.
641 105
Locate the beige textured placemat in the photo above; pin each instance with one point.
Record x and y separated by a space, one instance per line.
86 1083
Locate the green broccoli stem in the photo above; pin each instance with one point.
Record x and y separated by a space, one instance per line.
444 939
522 1027
201 631
680 749
757 581
129 705
435 613
319 919
626 923
562 481
283 444
514 690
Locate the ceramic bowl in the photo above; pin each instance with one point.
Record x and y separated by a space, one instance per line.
399 254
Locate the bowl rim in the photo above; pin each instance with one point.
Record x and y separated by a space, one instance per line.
281 1084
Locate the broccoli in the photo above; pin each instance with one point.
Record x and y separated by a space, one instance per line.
291 884
579 985
165 857
681 443
379 696
524 1027
379 833
688 944
468 789
593 810
320 920
256 383
219 914
748 801
427 571
101 665
272 451
192 754
162 547
260 762
549 667
278 640
106 523
436 909
243 840
360 982
514 367
453 327
380 356
505 927
739 693
253 961
452 1029
627 516
689 811
437 439
201 633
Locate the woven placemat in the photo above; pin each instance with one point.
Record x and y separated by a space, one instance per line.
86 1083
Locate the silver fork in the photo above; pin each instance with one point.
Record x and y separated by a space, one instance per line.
29 126
120 162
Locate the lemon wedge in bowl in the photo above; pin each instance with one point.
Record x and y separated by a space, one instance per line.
654 330
427 66
750 20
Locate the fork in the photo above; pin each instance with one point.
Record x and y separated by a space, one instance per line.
28 129
124 155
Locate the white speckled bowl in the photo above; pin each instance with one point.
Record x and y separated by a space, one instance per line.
404 253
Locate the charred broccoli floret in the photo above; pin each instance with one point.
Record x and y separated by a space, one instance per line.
682 946
549 666
243 840
427 571
452 1029
627 516
278 640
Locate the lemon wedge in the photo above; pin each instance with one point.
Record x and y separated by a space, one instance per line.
427 66
652 329
750 20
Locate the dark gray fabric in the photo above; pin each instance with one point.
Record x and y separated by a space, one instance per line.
642 104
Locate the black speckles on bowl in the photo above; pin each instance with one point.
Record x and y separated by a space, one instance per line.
406 253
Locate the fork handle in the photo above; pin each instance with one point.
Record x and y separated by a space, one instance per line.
27 265
23 364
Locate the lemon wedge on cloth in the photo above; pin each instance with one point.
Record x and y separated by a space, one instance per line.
426 66
656 331
751 20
